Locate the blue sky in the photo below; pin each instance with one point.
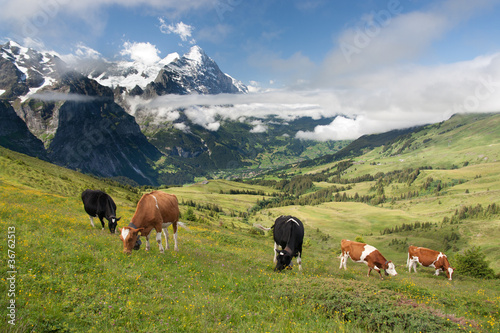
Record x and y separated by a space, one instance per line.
380 64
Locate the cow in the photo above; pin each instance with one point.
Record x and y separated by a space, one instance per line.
428 258
155 210
361 252
99 204
288 233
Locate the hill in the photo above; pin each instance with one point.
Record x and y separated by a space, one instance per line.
70 277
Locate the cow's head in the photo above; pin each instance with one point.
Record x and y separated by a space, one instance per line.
449 273
113 223
130 239
390 268
283 260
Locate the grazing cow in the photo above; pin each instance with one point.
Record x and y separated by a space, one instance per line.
288 232
361 252
99 204
156 210
428 258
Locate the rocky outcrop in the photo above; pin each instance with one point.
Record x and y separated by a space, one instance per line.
15 135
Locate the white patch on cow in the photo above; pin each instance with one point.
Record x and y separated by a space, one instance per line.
441 255
92 221
125 233
156 201
366 252
275 259
291 219
299 262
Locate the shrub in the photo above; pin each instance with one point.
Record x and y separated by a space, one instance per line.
359 239
472 263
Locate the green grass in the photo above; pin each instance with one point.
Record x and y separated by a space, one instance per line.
75 278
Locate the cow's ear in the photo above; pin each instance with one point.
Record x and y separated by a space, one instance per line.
140 230
118 219
277 251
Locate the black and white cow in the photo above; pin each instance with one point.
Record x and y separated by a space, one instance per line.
99 204
288 233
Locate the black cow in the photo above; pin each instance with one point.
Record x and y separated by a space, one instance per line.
99 204
288 232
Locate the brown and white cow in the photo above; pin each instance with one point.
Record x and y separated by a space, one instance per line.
428 258
156 210
361 252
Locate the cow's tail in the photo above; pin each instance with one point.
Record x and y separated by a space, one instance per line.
261 227
182 224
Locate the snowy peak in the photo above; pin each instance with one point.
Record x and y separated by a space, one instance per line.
194 72
196 55
128 74
24 70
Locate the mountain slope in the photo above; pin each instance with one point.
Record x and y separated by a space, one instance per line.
15 135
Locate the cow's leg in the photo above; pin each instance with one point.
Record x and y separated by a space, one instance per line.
414 262
275 259
437 271
158 240
165 234
102 222
299 262
92 221
174 227
148 246
165 231
343 261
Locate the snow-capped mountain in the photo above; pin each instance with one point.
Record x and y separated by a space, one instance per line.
23 70
127 74
194 72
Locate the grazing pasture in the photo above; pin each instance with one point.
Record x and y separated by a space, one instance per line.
70 278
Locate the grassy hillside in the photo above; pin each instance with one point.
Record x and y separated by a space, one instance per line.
71 278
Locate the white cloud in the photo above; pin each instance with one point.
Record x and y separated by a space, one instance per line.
340 128
258 126
86 52
203 117
184 31
392 98
145 53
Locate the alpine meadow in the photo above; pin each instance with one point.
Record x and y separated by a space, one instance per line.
434 186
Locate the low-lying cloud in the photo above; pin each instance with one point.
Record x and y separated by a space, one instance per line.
58 96
390 99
